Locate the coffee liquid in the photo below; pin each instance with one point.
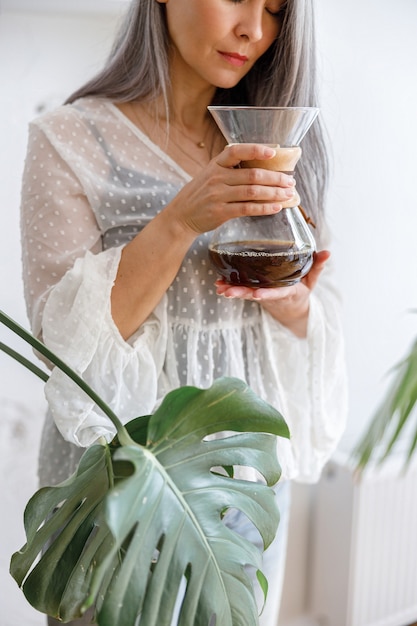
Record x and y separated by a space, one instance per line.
261 263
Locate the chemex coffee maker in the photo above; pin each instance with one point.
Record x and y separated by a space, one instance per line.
269 250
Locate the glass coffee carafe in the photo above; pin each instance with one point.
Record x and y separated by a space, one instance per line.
269 250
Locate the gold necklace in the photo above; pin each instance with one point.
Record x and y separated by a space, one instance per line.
202 144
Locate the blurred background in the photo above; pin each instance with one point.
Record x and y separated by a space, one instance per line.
352 558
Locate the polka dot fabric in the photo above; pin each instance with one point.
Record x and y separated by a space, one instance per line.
92 181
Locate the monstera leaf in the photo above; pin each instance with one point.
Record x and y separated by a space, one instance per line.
139 529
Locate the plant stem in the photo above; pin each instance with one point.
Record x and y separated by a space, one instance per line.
23 361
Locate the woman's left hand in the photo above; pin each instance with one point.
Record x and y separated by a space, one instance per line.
289 305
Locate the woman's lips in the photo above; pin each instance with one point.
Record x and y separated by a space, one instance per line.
234 58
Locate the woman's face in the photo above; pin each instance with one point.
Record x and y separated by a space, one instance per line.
217 42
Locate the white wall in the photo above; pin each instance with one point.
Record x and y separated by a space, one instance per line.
368 50
367 63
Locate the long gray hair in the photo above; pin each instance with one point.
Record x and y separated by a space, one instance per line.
138 69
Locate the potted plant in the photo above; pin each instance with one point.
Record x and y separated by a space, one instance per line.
142 516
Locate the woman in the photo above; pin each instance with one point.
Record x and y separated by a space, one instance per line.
121 189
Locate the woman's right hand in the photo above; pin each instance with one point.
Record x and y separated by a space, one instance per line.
221 192
224 191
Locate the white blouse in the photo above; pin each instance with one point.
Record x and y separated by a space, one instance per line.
93 180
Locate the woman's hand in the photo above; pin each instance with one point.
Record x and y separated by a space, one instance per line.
219 193
289 305
222 191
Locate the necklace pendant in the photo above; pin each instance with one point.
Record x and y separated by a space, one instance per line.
201 144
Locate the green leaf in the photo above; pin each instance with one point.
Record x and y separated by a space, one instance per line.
392 416
221 412
137 523
60 523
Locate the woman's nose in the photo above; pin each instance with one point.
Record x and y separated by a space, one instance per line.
250 24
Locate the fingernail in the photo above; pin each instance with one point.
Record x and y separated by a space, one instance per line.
289 193
269 152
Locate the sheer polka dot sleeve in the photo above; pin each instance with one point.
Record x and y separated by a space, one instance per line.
68 279
79 328
57 223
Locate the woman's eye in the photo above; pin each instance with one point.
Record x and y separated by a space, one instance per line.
279 13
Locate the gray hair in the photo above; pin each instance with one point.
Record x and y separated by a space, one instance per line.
137 69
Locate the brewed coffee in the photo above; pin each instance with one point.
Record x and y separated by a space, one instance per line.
261 263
